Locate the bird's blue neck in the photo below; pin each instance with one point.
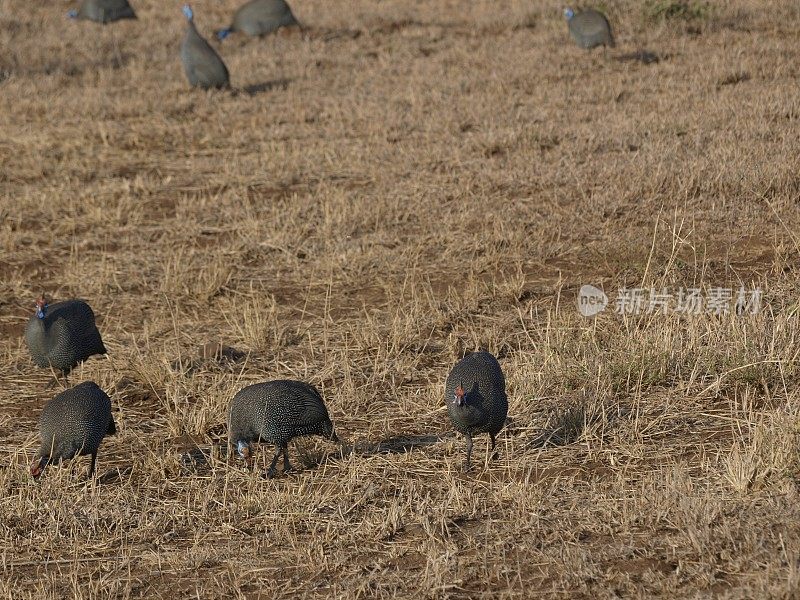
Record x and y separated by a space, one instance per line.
241 446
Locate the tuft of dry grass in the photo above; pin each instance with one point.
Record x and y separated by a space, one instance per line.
399 185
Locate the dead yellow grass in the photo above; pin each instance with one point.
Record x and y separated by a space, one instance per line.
407 182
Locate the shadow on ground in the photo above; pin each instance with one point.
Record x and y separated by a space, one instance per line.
198 458
267 86
643 56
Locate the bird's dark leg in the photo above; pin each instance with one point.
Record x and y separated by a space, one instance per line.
91 465
57 380
496 455
465 468
286 466
271 470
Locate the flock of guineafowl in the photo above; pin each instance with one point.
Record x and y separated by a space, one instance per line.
62 335
74 423
205 68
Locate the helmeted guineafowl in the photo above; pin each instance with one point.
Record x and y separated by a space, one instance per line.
475 393
73 424
275 412
260 17
589 28
63 334
103 11
203 66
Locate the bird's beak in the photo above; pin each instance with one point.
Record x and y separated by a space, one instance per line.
37 467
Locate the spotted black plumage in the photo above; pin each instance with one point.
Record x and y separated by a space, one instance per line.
260 17
275 412
73 424
475 393
103 11
589 28
201 63
63 334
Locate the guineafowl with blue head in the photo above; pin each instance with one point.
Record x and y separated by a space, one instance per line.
72 424
103 11
274 412
62 335
203 66
475 393
260 17
589 28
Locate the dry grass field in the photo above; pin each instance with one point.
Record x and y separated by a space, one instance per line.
400 184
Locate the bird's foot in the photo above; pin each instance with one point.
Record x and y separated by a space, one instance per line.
271 473
465 468
496 456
